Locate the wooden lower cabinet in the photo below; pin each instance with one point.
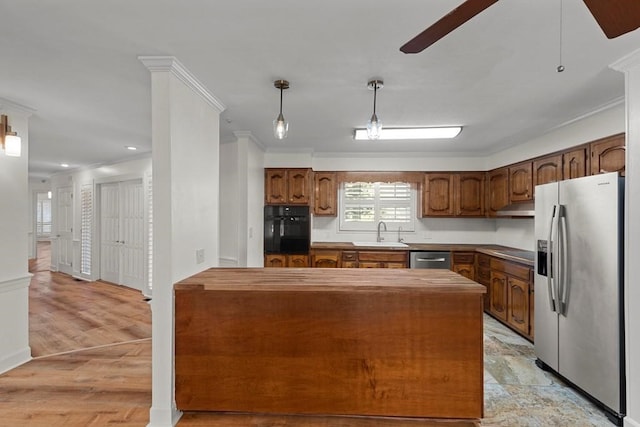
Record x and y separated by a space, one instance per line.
518 304
483 276
463 263
281 260
382 259
509 295
498 295
321 258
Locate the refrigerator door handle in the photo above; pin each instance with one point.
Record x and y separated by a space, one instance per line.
550 263
563 250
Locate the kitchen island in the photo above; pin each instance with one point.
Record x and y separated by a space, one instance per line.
391 343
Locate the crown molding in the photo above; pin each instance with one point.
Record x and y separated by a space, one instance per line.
171 65
249 135
5 104
627 62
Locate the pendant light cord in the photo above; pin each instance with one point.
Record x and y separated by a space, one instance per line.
281 90
560 67
375 91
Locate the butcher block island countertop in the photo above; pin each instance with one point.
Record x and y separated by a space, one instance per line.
313 341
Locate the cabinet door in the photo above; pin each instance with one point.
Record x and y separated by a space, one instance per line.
469 194
520 180
518 304
325 194
498 190
298 186
575 163
325 259
498 292
298 261
608 155
279 261
466 270
437 197
275 186
547 169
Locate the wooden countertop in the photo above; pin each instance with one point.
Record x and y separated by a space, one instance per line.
504 252
330 279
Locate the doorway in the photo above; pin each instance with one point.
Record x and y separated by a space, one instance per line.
64 229
122 233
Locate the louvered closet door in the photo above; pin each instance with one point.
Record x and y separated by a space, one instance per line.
122 233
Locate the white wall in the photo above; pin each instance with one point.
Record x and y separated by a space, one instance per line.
241 200
255 203
230 195
14 246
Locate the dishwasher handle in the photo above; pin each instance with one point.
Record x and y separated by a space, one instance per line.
431 259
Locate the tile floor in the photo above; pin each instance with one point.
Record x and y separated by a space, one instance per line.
519 394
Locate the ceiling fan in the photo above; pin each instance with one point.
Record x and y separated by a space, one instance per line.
615 17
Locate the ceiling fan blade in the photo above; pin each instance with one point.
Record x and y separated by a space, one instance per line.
615 17
446 24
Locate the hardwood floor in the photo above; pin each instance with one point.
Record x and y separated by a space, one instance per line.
91 343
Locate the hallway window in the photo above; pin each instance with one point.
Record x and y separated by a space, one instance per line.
43 216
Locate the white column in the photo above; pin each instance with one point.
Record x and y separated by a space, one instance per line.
185 162
630 65
14 244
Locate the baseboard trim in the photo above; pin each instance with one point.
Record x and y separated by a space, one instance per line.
14 360
628 422
164 417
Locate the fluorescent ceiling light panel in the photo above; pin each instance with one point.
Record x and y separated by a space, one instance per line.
413 133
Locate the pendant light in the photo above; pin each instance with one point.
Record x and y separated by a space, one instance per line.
280 125
374 126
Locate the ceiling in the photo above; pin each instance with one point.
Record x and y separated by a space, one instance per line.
75 63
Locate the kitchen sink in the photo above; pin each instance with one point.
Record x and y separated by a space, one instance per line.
382 244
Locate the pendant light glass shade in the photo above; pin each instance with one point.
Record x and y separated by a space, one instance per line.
280 125
374 125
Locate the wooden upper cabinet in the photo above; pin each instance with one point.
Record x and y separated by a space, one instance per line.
520 182
437 197
547 169
497 190
275 186
469 193
287 186
608 155
325 191
575 163
298 186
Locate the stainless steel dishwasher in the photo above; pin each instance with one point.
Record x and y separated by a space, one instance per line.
430 259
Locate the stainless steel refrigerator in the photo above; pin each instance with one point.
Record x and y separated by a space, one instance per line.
579 310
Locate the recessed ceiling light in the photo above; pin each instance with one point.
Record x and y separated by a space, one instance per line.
64 165
412 133
131 147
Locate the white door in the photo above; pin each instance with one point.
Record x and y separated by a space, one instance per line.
64 229
122 233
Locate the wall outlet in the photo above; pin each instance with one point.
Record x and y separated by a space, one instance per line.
199 256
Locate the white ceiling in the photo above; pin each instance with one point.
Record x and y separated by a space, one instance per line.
75 62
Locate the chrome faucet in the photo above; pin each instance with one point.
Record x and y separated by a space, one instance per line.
380 239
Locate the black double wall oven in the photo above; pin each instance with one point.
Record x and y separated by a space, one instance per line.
287 230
